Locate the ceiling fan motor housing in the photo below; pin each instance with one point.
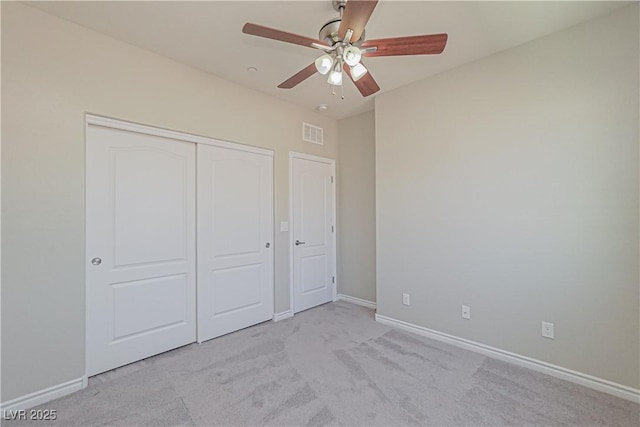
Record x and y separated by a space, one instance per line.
329 33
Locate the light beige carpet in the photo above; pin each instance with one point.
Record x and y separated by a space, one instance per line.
333 365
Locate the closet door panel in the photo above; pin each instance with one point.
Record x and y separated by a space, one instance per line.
140 246
235 239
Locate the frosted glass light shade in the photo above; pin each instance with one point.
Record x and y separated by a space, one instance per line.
351 55
324 64
335 78
357 71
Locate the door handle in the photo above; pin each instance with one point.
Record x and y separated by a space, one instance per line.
96 261
298 243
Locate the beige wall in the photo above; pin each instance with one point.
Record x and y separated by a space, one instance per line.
53 72
356 202
511 185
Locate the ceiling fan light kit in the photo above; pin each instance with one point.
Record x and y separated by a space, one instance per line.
357 71
335 76
343 43
324 64
352 56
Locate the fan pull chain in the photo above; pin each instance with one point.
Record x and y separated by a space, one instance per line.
342 91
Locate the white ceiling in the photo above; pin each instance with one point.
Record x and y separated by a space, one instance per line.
207 35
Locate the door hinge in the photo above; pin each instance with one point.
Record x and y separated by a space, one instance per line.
332 180
332 230
333 279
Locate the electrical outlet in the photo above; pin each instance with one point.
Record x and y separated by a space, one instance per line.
547 330
406 299
466 312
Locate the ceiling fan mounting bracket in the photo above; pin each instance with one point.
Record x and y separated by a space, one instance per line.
339 4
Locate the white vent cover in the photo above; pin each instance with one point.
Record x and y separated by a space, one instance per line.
312 134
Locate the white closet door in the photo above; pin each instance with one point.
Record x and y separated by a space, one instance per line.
140 246
313 249
235 239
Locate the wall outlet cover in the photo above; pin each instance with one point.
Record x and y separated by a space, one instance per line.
547 330
406 299
466 312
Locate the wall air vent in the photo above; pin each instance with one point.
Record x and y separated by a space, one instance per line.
312 134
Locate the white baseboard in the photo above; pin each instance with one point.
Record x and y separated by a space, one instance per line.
580 378
359 301
282 315
43 396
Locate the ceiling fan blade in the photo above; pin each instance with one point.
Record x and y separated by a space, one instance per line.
356 15
298 77
272 33
432 44
366 84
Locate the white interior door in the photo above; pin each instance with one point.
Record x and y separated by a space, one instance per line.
235 239
312 233
140 246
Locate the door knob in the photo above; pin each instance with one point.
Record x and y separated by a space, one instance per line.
298 243
96 261
268 245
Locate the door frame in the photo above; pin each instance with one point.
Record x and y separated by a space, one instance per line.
112 123
331 162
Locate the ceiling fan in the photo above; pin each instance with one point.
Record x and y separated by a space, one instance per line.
343 42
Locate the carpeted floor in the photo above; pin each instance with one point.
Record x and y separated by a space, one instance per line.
332 365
